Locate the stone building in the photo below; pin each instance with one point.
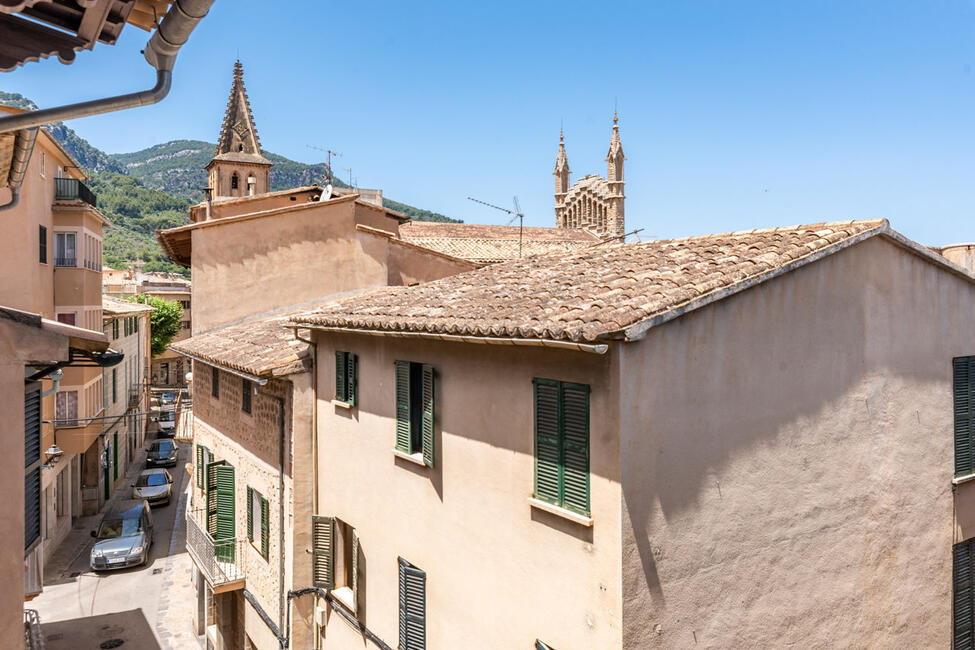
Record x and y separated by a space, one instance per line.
238 167
592 202
728 441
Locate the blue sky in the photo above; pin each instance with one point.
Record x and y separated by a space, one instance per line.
733 115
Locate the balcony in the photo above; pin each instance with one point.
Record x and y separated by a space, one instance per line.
65 261
33 637
217 559
71 189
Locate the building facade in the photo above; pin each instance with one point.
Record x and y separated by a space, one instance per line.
753 445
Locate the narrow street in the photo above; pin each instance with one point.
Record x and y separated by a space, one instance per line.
145 607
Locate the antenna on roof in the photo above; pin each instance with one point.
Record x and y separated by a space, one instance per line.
328 167
514 213
622 237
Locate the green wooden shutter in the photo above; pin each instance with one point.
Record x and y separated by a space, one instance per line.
211 487
352 377
541 646
225 513
575 447
404 430
964 398
427 405
355 571
250 514
963 564
199 466
341 376
115 456
265 538
323 574
412 607
547 443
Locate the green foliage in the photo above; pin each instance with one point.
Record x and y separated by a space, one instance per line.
164 322
417 214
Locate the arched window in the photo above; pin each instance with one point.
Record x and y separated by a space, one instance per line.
234 181
240 147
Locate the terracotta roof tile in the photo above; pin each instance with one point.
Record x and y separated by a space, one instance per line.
485 243
587 293
256 347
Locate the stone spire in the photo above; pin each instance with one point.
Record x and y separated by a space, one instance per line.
238 167
561 181
615 157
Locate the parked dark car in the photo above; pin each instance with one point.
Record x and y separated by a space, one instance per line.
162 453
153 485
124 536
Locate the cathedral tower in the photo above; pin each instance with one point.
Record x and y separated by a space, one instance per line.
238 168
592 202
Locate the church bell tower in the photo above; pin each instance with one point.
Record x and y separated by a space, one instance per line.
238 168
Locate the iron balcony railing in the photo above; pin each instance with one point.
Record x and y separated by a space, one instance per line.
71 189
65 261
33 639
217 559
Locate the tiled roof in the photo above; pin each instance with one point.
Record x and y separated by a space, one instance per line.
484 244
594 292
113 306
256 347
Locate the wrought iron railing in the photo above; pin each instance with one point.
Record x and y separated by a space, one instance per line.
217 559
33 639
65 261
70 189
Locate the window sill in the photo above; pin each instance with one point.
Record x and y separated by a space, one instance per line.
561 512
341 404
965 478
344 596
413 458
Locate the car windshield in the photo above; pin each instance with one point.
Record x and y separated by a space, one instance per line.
112 528
162 445
167 416
148 480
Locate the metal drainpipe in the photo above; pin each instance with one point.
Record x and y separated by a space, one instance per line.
18 165
281 591
160 52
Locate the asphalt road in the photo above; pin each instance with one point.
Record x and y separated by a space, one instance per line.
76 592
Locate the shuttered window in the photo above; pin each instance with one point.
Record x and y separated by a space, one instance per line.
221 515
964 399
257 520
346 381
415 410
32 465
215 382
412 607
246 388
323 572
203 458
963 569
42 244
562 444
542 646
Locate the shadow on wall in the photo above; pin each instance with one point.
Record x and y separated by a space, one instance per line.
103 631
738 382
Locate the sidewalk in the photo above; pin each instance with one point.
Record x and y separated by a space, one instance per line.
177 604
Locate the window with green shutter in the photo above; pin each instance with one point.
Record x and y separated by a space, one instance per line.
412 607
257 521
32 465
963 568
562 444
346 380
321 557
964 399
415 411
265 528
221 515
542 646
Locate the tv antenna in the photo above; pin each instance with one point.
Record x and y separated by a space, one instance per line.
515 214
349 169
327 193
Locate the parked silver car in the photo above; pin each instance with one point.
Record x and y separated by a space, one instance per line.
153 485
124 536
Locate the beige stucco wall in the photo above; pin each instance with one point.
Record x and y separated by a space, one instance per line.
18 344
787 461
290 258
499 573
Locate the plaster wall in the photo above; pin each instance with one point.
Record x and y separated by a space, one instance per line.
18 344
786 461
500 573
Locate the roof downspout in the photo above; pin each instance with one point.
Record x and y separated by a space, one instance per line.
160 52
23 148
